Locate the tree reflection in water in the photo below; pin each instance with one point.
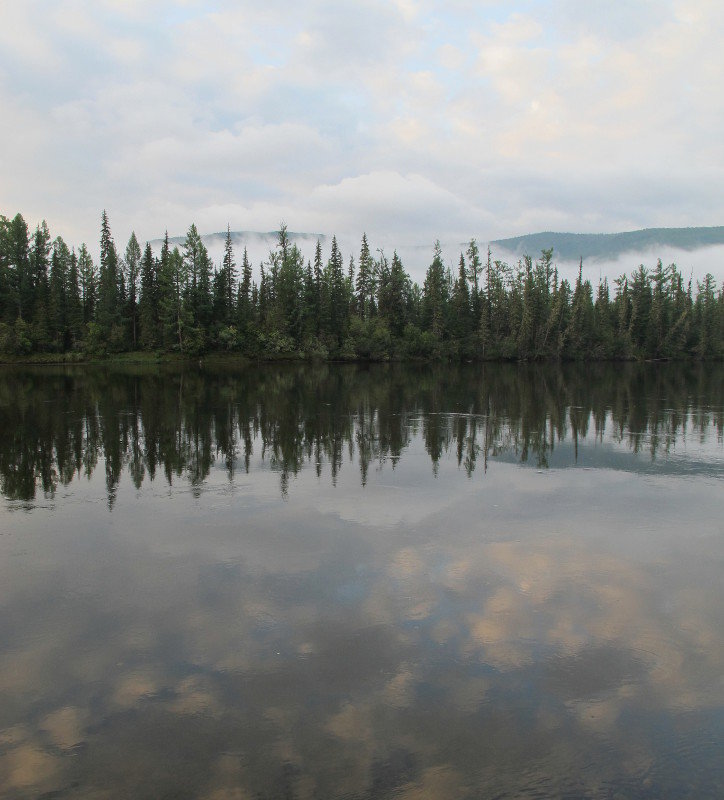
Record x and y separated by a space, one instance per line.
59 423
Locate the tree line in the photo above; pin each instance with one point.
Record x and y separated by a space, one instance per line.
54 299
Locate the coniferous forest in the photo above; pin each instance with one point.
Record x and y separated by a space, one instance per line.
56 300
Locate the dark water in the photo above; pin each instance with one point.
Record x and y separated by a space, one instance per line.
313 582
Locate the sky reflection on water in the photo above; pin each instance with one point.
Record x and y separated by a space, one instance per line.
399 625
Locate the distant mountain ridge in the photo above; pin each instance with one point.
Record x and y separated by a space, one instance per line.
572 246
566 246
607 253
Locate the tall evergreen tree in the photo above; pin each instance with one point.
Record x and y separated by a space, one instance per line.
75 305
602 321
244 306
707 310
132 269
58 323
337 308
289 286
474 269
658 323
38 288
148 320
108 311
225 285
197 271
5 280
19 277
622 318
435 296
318 272
176 316
309 301
640 290
365 284
88 284
580 334
394 294
460 305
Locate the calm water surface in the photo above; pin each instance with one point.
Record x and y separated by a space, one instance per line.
350 582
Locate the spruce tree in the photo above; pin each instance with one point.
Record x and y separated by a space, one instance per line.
288 273
197 273
75 305
435 296
398 296
19 279
148 302
88 284
337 308
58 327
244 309
640 291
706 311
132 268
229 271
602 322
474 269
5 302
460 305
108 312
580 335
365 281
176 316
318 271
38 289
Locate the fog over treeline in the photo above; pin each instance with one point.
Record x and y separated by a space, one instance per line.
695 251
361 304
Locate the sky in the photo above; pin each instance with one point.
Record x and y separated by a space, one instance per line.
411 120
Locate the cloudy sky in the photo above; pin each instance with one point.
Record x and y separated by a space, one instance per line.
410 119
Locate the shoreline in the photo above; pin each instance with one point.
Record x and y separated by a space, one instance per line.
213 357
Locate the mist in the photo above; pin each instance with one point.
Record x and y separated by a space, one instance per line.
417 257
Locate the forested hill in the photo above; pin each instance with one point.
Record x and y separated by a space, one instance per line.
572 246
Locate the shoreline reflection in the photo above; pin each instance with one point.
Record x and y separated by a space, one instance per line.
57 424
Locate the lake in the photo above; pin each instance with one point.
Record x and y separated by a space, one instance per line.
345 581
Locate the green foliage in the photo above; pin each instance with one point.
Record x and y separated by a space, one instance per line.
108 311
53 301
131 274
95 340
229 338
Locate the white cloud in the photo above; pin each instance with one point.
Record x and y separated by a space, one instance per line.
382 201
416 119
